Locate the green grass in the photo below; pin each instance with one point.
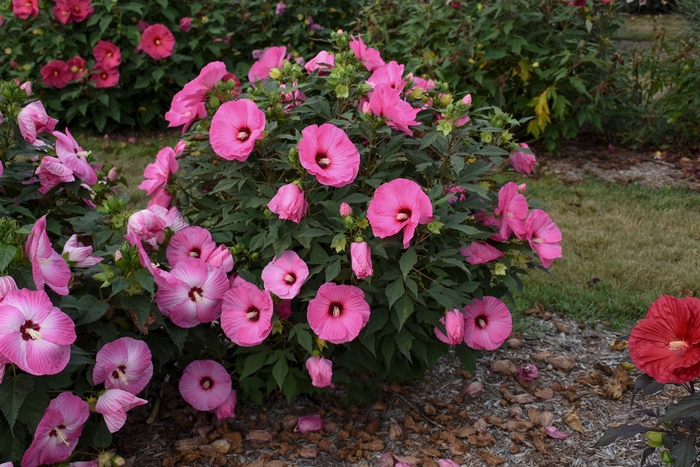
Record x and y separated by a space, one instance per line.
640 28
639 243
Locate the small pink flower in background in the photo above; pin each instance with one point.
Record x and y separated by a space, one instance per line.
386 102
284 275
205 384
322 61
48 267
2 169
480 253
51 173
180 147
35 335
467 100
421 83
338 313
289 203
327 153
185 24
512 211
33 120
447 463
522 162
113 404
271 58
74 157
196 242
543 235
454 325
321 371
461 193
280 8
7 283
58 432
62 12
256 54
142 25
107 55
78 254
105 78
228 408
369 57
309 424
78 66
399 205
191 293
361 259
113 174
125 364
487 323
157 41
80 9
390 74
158 174
235 128
23 8
553 432
283 309
528 372
345 210
132 140
27 87
246 315
291 99
56 73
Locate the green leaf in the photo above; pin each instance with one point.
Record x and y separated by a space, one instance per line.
253 363
104 23
13 442
404 309
304 336
13 391
119 284
404 340
7 253
466 356
333 269
611 434
394 291
145 280
408 260
428 139
280 370
457 163
90 309
388 346
684 452
102 437
141 304
686 407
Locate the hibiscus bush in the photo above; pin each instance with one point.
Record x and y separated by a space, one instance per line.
324 229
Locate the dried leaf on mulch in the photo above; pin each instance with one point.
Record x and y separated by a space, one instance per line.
618 384
492 459
572 419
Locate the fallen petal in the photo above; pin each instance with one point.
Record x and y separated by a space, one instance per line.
473 388
553 432
309 424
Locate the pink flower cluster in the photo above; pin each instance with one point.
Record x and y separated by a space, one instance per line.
108 57
484 325
67 11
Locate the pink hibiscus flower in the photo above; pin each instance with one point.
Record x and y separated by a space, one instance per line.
124 364
191 293
74 157
183 114
58 432
78 66
235 127
35 335
399 205
107 55
289 203
369 57
361 259
512 211
51 173
454 325
285 275
543 235
246 315
185 24
521 161
271 58
105 77
48 267
228 408
148 225
338 312
480 253
113 404
158 174
188 104
205 384
61 12
23 8
32 120
7 283
327 153
390 74
322 61
157 41
56 73
487 323
78 255
196 242
80 9
399 114
321 371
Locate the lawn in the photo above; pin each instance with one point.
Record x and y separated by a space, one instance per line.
641 28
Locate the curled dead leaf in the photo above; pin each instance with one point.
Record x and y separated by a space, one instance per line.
534 415
458 448
429 409
537 309
493 420
560 327
560 362
520 424
525 398
538 440
395 431
386 460
308 452
492 459
373 426
515 343
546 418
481 426
618 384
572 419
473 388
504 366
544 393
618 344
515 411
259 436
189 444
376 445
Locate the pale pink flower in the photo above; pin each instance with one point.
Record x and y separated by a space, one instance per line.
161 197
327 153
196 242
157 41
8 464
158 174
23 8
7 283
246 315
228 408
35 335
487 323
107 55
543 235
521 161
48 267
399 114
421 83
454 325
51 173
271 58
309 424
125 364
285 275
56 74
289 203
338 313
399 205
92 463
369 57
528 372
235 128
148 226
27 87
113 404
185 24
32 120
322 62
345 210
512 210
74 157
390 74
555 433
79 255
105 77
361 259
3 361
191 293
280 8
480 253
321 371
447 463
58 432
205 384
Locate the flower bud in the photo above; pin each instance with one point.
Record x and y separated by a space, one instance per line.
345 209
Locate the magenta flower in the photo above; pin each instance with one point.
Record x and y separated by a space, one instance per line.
205 384
80 9
32 120
191 293
79 255
361 259
107 55
113 404
447 463
289 203
487 323
157 41
399 114
543 235
338 312
390 74
105 77
512 211
148 226
74 157
58 432
228 408
51 173
480 253
271 58
196 242
522 162
321 371
185 24
124 364
327 153
78 66
7 283
56 74
399 205
181 113
322 62
528 372
280 8
23 8
48 267
283 309
246 315
369 57
161 197
235 127
309 424
285 275
454 325
188 104
158 174
460 193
